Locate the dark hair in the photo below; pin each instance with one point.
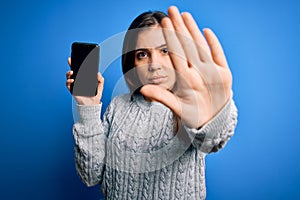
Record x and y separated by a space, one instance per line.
144 20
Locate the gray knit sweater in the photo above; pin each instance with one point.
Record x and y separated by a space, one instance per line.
138 152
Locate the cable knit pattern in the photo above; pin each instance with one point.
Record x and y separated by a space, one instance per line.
136 151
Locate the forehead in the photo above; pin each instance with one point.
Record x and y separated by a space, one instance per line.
150 38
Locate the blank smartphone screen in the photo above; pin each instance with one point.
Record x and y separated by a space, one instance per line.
84 63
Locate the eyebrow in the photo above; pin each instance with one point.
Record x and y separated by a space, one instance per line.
158 47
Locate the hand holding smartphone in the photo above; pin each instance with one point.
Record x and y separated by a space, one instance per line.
84 64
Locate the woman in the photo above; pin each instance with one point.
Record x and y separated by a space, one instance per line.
152 143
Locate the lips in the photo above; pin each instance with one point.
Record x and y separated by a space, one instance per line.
157 79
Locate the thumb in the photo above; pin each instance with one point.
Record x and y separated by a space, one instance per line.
163 96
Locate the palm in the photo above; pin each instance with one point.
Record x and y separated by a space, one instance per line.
200 98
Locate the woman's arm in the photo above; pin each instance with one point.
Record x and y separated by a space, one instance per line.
90 139
90 135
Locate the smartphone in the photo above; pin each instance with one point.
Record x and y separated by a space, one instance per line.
84 64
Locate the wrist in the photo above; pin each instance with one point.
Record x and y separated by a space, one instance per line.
87 101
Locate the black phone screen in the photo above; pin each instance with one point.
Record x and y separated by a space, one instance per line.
84 64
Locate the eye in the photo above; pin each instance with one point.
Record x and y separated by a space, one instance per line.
165 50
141 55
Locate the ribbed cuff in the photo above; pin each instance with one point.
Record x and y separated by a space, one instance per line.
89 114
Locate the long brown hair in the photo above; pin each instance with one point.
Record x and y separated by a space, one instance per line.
144 20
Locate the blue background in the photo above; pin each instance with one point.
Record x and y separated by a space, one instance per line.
261 41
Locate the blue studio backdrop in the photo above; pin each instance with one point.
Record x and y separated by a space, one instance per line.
260 39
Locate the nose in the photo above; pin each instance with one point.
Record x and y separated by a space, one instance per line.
155 62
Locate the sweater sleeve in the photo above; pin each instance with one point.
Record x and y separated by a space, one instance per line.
90 134
215 134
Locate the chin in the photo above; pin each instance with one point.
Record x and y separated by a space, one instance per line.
167 87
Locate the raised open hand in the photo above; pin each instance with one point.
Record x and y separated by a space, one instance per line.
203 78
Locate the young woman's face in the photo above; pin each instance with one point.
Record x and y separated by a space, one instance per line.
152 60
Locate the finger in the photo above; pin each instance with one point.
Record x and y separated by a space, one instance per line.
202 46
175 50
69 74
69 82
163 96
69 61
184 36
177 21
216 48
